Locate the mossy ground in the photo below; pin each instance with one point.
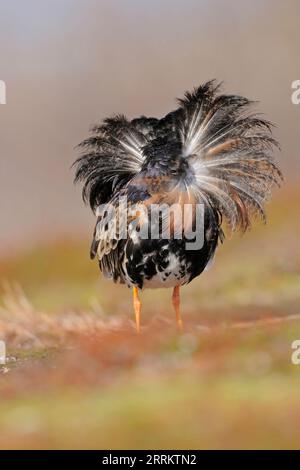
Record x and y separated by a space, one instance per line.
78 376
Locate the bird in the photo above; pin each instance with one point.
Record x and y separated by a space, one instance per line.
213 152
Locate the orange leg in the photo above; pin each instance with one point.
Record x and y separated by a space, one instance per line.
137 305
176 305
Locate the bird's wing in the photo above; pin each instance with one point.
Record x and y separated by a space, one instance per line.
124 213
230 152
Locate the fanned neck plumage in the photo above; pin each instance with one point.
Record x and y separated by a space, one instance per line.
212 144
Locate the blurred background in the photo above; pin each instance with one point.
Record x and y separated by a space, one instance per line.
67 64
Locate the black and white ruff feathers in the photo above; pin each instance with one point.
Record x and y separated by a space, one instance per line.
212 150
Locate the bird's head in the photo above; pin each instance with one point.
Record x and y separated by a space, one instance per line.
165 157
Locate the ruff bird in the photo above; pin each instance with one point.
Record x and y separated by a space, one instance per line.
213 152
